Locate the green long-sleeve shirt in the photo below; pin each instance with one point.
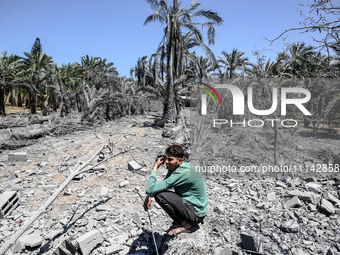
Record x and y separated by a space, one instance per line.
187 183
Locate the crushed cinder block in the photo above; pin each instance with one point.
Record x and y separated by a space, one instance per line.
32 240
294 202
326 206
251 241
17 156
9 200
290 226
133 166
89 241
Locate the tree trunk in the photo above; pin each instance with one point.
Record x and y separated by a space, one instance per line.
19 99
33 103
170 80
2 101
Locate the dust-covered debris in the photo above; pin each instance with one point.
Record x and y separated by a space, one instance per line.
284 214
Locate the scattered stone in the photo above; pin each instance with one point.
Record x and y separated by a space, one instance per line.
104 191
32 240
114 249
133 166
294 202
251 241
311 186
271 197
17 156
89 241
232 186
312 207
326 206
328 196
309 197
123 184
219 209
290 226
52 234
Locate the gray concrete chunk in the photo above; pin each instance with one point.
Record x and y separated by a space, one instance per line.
326 206
328 196
17 156
89 241
294 202
290 226
32 240
305 196
251 241
133 166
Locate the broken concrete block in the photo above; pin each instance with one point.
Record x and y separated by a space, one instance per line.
294 202
271 197
251 241
52 234
71 245
89 241
328 196
311 186
219 209
113 249
32 240
326 206
312 207
104 191
305 196
232 186
133 166
290 226
17 156
9 200
123 184
330 252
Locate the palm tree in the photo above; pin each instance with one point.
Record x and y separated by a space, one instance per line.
295 62
199 67
35 75
9 67
140 71
232 62
175 20
37 66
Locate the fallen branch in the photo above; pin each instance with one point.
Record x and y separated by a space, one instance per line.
44 207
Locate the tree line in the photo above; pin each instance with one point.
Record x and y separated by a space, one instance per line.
94 88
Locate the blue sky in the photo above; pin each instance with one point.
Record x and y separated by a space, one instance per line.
113 29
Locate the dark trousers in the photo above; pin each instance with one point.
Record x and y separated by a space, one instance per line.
177 208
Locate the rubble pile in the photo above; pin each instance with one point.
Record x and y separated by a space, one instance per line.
99 212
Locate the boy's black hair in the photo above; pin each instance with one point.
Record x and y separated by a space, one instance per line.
175 150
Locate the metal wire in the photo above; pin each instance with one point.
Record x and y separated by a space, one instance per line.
153 236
